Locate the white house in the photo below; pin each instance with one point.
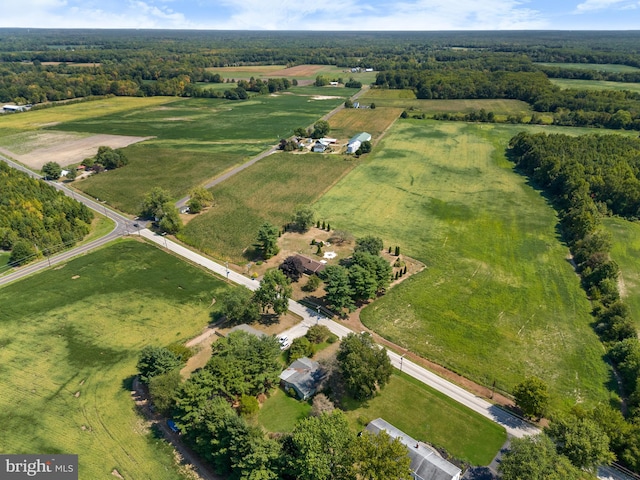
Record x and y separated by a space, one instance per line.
426 463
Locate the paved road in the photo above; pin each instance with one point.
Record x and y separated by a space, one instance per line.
514 426
123 226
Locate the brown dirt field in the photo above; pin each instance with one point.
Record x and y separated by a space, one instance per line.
74 151
298 71
349 121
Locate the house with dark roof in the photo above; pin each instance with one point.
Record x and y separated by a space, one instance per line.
310 266
426 462
304 376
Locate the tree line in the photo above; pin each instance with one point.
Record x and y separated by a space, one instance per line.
587 177
36 219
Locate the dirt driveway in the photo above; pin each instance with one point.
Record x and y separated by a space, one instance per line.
73 151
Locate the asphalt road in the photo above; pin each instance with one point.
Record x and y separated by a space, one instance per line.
514 425
123 226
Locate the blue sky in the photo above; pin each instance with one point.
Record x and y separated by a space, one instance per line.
331 15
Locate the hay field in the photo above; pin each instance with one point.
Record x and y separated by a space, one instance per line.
601 67
267 191
594 85
71 337
350 121
498 300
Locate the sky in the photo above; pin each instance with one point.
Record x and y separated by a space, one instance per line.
331 15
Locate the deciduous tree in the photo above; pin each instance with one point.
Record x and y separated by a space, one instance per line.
51 170
155 361
379 457
304 217
337 287
237 305
364 366
274 292
532 397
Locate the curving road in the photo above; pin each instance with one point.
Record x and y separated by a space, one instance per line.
123 226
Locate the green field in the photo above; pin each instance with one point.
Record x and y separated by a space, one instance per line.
626 252
430 416
594 85
498 300
196 140
406 100
601 67
268 191
280 412
299 72
70 340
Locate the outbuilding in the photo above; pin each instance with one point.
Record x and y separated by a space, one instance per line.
356 141
13 108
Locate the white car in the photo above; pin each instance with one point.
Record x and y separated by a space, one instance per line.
284 342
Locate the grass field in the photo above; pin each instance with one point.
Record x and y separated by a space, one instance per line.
626 252
429 416
601 67
280 412
299 72
594 85
406 100
196 140
35 119
268 191
498 300
350 121
70 340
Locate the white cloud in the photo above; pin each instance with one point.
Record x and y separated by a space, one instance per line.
406 15
595 5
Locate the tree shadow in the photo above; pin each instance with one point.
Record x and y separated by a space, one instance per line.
268 319
127 383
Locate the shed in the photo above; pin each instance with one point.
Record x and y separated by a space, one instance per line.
357 140
304 375
310 266
426 463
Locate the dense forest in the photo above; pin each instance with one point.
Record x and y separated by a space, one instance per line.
589 176
35 218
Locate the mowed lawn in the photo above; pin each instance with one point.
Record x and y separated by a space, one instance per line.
269 191
594 85
196 140
429 416
499 300
70 340
625 251
280 412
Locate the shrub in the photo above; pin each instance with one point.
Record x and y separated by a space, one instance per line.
183 352
312 284
248 405
300 347
318 333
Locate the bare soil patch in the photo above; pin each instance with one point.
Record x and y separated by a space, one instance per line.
74 151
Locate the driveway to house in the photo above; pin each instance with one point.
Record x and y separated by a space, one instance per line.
514 425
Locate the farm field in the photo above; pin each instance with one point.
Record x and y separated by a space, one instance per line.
601 67
406 100
304 73
267 191
594 85
351 121
498 300
46 117
625 251
71 337
196 140
443 422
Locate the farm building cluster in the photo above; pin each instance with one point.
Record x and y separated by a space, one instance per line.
328 144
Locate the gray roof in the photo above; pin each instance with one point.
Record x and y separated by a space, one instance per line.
361 137
246 328
303 376
426 463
